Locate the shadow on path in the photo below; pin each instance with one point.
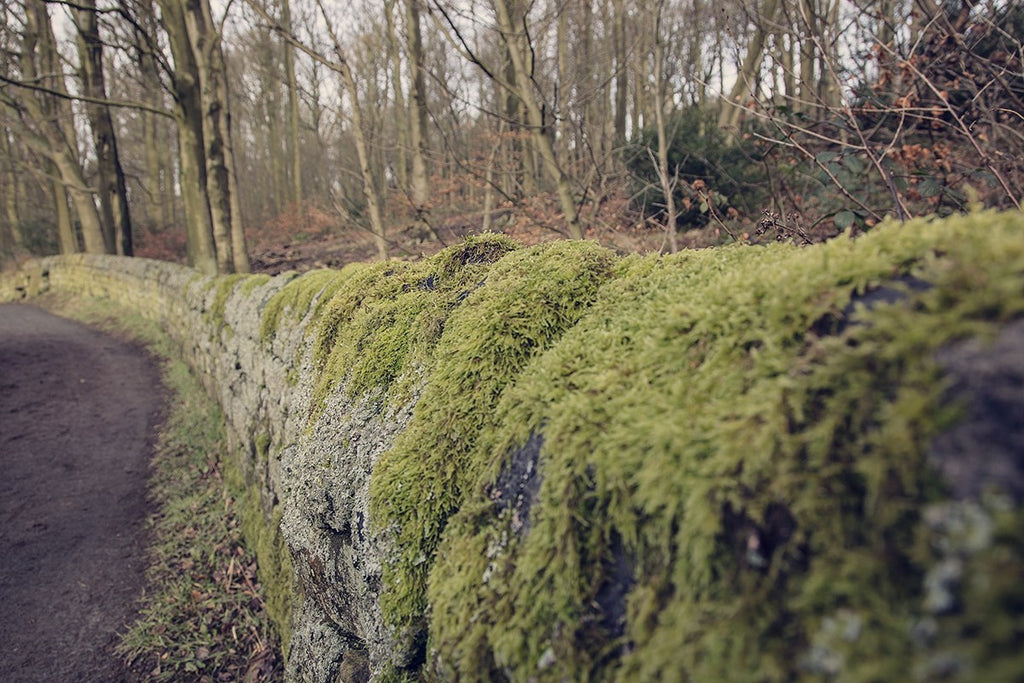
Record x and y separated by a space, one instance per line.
78 418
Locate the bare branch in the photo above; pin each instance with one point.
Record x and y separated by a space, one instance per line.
125 104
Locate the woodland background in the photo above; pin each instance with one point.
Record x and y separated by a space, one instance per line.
297 133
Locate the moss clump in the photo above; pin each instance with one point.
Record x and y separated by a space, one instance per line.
730 472
375 322
252 282
224 286
297 296
387 320
530 299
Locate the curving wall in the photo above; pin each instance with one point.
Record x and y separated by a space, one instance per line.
556 463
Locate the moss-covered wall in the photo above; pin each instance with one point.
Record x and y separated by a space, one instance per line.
554 463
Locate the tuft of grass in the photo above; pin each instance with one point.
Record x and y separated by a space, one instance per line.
203 616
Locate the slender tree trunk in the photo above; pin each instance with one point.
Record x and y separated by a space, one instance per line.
191 156
784 46
420 177
117 227
370 192
402 115
523 181
159 197
276 150
489 181
317 113
54 120
667 181
621 70
156 201
562 83
697 60
67 242
830 90
535 118
731 108
12 190
293 107
205 43
808 86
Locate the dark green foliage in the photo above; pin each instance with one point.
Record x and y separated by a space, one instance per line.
731 172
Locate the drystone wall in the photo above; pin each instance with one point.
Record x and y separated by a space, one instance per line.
555 463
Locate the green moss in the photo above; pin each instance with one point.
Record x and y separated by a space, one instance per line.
252 282
530 298
262 444
720 465
296 297
373 323
225 285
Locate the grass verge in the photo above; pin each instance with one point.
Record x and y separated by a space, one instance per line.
202 616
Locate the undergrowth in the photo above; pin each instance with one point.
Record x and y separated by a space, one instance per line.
202 617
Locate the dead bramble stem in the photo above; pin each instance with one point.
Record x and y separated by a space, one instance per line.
771 220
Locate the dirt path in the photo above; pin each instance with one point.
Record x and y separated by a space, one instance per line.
78 412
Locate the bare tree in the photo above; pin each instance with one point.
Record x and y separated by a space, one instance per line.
668 180
225 212
295 147
41 115
516 39
113 194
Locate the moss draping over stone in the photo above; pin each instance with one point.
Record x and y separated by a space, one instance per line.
746 463
723 472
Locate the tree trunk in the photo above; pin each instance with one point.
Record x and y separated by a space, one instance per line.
420 176
667 181
276 150
188 117
117 228
731 108
402 115
562 84
67 242
205 43
808 86
159 199
53 120
621 71
370 192
293 107
156 202
513 39
12 190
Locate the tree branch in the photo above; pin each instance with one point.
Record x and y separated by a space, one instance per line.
126 104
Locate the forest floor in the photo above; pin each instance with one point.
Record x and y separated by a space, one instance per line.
280 249
79 412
